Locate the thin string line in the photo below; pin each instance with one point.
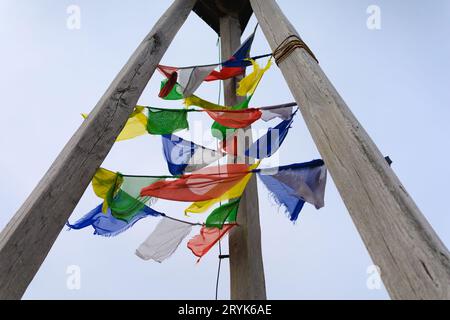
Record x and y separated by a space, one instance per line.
182 221
218 168
280 106
220 63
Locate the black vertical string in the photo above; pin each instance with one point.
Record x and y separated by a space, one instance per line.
218 168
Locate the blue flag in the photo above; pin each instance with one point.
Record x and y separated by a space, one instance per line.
291 186
105 224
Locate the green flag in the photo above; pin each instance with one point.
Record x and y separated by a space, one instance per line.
225 213
166 121
175 93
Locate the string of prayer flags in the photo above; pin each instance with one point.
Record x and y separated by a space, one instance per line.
205 184
164 240
233 193
250 82
166 121
208 237
269 143
291 186
226 213
186 156
105 224
189 79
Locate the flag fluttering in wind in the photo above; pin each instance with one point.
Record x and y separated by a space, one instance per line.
186 156
105 224
233 193
235 118
166 121
205 184
291 186
269 143
164 240
249 83
226 213
208 237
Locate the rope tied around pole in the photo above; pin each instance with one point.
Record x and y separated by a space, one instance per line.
288 45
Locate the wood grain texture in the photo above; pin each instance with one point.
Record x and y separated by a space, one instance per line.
414 262
247 280
27 239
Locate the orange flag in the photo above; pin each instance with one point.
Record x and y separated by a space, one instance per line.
208 237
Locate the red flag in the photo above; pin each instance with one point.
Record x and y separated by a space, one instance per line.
208 237
202 185
225 73
235 118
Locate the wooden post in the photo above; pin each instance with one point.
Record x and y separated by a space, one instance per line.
414 262
246 264
27 239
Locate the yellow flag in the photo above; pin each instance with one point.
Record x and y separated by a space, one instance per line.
199 102
249 83
235 192
136 125
103 183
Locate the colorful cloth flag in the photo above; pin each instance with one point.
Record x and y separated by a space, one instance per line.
208 237
269 113
220 131
249 83
126 201
269 143
205 184
105 224
185 156
291 186
164 240
135 126
233 193
175 92
104 183
226 213
235 118
166 121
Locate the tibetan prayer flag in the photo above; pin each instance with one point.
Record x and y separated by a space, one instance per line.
220 131
226 213
104 183
185 156
168 85
164 240
199 102
166 121
292 186
105 224
174 94
208 237
233 193
268 144
249 83
236 118
272 113
126 202
205 184
236 64
135 126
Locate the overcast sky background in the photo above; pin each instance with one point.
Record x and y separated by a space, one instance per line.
396 81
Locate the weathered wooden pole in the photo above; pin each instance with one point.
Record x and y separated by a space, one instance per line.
414 262
27 239
246 264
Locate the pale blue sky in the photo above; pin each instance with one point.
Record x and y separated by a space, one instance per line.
396 81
